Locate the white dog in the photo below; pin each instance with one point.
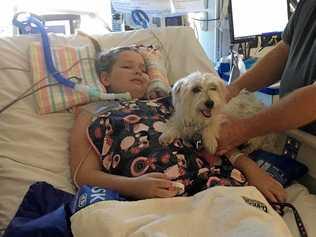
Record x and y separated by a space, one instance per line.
198 101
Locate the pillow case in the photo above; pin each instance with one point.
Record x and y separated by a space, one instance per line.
58 97
282 168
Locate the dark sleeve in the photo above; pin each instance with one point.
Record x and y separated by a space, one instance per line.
96 133
289 29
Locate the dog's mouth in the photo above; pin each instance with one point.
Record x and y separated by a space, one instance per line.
207 113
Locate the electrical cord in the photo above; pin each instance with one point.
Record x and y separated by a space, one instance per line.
15 69
27 92
83 159
196 31
21 97
98 47
161 46
206 20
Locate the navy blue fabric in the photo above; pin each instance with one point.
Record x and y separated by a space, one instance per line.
44 211
282 168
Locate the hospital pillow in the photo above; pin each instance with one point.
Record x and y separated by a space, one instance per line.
58 98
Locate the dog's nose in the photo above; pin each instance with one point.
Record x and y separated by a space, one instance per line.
209 104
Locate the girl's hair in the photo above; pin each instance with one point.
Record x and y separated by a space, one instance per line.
106 59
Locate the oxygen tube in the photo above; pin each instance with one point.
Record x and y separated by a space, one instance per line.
32 24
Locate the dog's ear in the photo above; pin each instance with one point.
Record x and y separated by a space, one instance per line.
222 88
177 87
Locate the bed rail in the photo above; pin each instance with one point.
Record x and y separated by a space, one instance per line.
306 155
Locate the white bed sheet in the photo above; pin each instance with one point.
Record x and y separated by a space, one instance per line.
35 148
305 203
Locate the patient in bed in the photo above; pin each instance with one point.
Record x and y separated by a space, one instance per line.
115 145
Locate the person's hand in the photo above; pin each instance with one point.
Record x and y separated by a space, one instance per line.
231 134
157 93
152 185
230 92
267 185
157 89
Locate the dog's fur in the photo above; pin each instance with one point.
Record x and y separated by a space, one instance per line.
198 101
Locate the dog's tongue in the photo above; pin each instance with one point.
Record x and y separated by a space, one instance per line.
207 113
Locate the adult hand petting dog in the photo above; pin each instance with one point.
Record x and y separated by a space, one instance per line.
231 134
230 92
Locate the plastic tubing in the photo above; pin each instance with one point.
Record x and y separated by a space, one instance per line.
48 55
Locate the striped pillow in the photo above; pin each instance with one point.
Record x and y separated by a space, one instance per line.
58 98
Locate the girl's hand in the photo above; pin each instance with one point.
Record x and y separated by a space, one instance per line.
157 89
267 185
152 185
156 93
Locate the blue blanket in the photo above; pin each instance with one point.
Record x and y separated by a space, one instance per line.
44 211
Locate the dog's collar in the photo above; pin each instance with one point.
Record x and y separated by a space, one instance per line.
196 141
194 137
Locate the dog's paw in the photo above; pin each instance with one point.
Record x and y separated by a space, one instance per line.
211 146
166 139
210 142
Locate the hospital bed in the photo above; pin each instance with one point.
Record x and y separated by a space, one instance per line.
34 147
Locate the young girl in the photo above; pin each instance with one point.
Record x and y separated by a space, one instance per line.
115 144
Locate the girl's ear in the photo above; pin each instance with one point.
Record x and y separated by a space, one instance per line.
104 79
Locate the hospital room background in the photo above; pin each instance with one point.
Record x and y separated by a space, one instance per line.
212 21
227 36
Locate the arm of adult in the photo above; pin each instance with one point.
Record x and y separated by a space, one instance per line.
293 111
86 168
265 72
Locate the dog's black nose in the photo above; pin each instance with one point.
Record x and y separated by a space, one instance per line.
209 104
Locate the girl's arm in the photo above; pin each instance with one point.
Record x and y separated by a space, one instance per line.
257 177
86 168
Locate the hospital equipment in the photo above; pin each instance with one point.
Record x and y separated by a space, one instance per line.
32 24
251 18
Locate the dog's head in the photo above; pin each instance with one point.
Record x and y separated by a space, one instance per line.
198 96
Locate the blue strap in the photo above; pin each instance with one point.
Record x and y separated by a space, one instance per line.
33 24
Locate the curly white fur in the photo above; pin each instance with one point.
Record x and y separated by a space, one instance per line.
199 101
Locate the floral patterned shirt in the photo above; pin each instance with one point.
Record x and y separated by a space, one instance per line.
126 137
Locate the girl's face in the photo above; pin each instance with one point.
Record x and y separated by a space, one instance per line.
128 75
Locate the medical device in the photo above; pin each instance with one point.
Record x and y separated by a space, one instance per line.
251 18
30 23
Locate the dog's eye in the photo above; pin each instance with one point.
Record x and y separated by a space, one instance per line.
213 88
196 89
